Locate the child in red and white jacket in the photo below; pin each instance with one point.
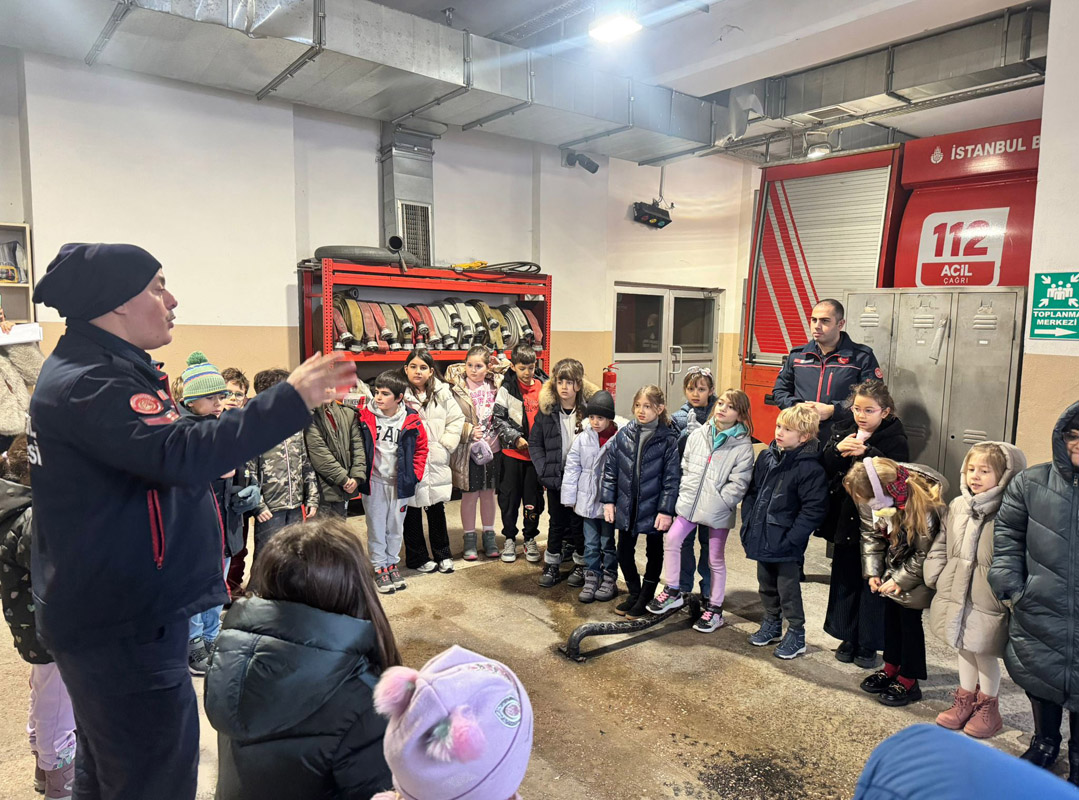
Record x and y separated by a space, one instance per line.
395 443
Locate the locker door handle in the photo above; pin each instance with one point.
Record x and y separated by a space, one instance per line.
938 340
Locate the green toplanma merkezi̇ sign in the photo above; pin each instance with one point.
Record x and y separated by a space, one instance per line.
1054 310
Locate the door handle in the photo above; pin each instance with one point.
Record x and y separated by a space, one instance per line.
676 368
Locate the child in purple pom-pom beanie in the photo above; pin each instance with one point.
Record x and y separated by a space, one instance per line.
459 728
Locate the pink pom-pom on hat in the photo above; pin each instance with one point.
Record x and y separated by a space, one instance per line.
459 729
394 691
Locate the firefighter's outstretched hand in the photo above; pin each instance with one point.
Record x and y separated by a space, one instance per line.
322 378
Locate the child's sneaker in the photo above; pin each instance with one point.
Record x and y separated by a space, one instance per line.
768 633
445 566
470 553
383 581
591 583
551 575
427 567
396 579
509 551
711 619
667 600
608 587
490 549
576 578
793 644
198 660
532 551
58 782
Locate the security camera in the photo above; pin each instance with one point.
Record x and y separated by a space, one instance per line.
571 159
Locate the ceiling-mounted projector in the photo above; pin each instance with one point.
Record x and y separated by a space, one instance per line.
651 214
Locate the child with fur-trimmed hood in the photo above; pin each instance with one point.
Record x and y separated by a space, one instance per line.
561 417
965 613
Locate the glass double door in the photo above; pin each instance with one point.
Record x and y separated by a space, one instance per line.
660 333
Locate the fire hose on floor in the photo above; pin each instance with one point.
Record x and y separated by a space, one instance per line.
572 648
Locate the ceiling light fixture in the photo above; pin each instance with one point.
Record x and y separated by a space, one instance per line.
614 20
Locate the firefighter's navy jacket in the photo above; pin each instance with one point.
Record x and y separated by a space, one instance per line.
810 376
127 534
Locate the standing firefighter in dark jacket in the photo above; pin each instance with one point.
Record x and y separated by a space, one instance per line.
127 541
1036 570
821 374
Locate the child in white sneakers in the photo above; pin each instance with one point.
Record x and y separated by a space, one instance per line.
395 443
965 612
717 466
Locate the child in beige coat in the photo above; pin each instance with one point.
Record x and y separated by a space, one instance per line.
965 612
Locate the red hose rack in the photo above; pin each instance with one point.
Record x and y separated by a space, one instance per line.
318 283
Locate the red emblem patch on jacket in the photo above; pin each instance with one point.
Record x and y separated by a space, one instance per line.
167 418
878 373
146 404
844 360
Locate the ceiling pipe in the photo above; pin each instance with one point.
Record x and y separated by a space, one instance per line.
318 36
122 9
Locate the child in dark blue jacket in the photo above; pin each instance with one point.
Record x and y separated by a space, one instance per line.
639 493
787 500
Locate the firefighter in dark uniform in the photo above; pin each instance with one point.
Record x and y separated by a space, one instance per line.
128 542
821 374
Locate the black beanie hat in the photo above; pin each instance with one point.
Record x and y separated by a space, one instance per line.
85 281
601 404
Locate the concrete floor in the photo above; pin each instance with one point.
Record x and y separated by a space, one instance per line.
669 713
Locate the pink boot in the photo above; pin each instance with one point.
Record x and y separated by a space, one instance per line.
985 721
962 709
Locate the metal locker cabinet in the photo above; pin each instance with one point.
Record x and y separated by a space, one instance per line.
919 375
984 361
870 322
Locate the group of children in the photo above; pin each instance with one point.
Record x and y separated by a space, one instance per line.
506 434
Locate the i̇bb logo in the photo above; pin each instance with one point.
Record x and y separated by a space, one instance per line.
938 156
962 248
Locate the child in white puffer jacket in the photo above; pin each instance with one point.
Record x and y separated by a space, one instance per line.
717 466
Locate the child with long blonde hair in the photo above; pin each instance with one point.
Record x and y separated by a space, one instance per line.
639 493
965 613
901 508
717 465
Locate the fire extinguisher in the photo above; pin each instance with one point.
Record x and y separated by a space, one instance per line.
610 380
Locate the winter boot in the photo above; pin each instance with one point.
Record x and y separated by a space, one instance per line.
961 711
1045 743
470 546
793 644
58 782
769 632
608 587
639 609
197 659
591 583
489 547
985 721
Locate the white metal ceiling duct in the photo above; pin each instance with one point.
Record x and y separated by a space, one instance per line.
366 59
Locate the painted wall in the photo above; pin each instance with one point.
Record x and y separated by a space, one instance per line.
11 183
1050 379
229 193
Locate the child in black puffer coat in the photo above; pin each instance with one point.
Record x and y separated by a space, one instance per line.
290 684
639 493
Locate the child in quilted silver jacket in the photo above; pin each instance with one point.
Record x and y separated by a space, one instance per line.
717 465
